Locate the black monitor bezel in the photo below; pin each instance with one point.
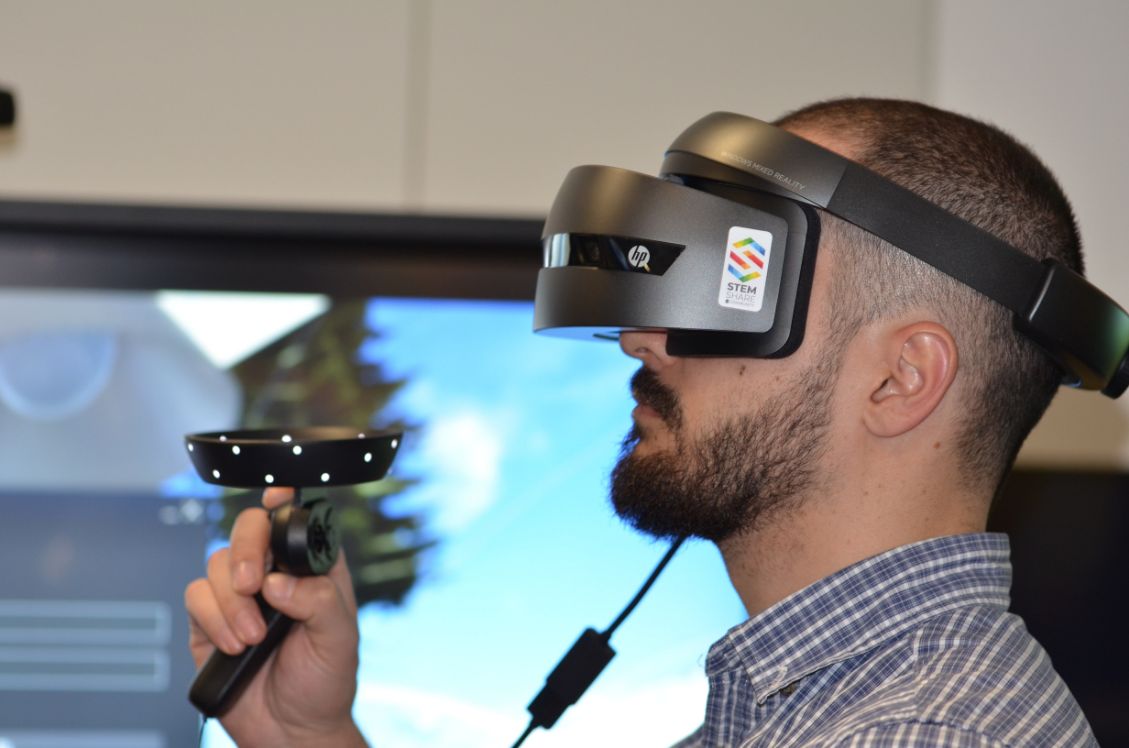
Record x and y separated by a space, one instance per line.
121 246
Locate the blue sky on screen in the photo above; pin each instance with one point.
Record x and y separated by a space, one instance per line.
517 433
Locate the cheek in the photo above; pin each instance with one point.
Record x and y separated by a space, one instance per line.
727 394
702 414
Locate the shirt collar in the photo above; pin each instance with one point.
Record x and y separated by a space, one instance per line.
862 606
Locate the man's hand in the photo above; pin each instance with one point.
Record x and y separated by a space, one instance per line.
303 696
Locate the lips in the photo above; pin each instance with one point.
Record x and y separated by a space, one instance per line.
655 400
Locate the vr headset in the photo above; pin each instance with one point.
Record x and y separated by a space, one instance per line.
719 252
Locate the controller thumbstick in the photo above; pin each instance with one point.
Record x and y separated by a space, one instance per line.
304 539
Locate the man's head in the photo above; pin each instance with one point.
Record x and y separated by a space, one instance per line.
738 466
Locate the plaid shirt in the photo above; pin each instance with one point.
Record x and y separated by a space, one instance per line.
913 647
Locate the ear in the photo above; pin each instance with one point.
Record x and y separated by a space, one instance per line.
919 365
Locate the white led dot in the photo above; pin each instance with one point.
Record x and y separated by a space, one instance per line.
286 438
216 474
395 443
235 449
223 438
368 456
360 436
268 478
191 448
297 449
325 477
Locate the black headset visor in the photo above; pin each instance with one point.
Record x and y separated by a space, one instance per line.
628 251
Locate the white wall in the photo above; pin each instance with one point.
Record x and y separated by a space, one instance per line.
520 91
249 102
1054 75
439 105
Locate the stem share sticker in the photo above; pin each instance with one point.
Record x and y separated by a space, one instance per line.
745 269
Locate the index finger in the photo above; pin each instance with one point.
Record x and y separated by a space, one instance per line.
250 542
275 497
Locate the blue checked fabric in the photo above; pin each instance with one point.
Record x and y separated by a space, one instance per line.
913 647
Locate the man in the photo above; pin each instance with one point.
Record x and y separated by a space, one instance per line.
848 494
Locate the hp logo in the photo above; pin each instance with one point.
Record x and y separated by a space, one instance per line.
639 257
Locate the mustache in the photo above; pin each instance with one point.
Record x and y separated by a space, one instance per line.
652 393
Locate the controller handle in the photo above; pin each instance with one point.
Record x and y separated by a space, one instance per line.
304 541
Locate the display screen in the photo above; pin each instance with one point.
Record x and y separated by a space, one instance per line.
491 544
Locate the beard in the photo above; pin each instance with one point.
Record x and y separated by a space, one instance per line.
735 478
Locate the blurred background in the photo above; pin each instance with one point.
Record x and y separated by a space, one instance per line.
260 212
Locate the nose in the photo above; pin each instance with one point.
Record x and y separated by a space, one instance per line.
649 346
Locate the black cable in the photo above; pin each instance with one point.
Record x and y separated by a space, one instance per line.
528 731
583 662
646 586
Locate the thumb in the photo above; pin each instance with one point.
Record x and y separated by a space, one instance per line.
315 601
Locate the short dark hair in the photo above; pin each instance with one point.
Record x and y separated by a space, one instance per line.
988 178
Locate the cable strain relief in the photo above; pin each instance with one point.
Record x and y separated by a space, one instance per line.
571 677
